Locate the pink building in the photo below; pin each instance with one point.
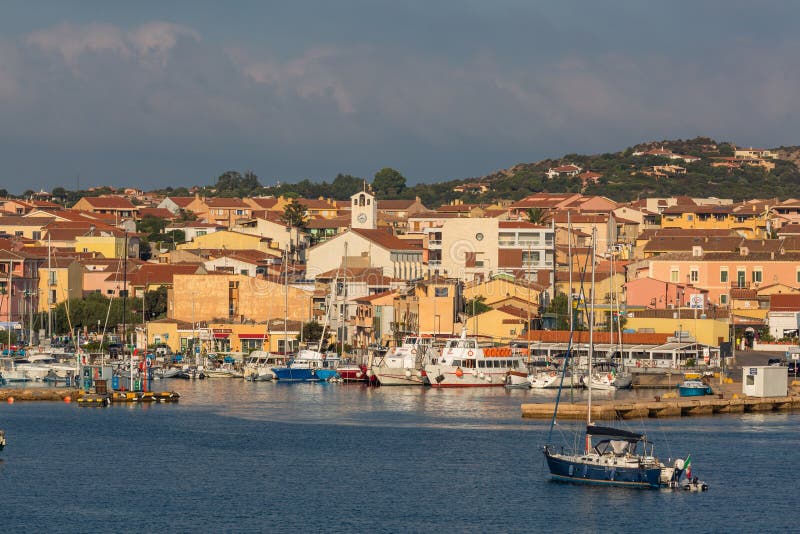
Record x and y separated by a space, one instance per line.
660 295
719 272
18 303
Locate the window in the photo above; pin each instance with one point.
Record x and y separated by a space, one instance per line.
723 275
440 291
694 275
723 299
251 344
201 232
690 217
18 233
740 276
109 291
758 276
244 272
673 275
37 235
798 276
530 257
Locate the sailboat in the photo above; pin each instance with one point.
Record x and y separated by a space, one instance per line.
610 456
606 375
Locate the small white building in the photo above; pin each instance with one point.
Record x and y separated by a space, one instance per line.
765 381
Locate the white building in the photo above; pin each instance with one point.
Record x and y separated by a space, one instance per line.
397 258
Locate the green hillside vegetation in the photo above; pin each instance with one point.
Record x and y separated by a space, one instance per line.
622 179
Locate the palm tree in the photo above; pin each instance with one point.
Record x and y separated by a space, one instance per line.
537 215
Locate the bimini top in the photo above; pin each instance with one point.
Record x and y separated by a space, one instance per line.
609 432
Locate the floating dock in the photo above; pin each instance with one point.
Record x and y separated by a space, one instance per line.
674 407
104 399
37 394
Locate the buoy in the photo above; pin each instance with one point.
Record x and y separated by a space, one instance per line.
67 399
408 373
10 400
459 372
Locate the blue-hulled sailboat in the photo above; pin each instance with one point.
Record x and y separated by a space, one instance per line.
616 457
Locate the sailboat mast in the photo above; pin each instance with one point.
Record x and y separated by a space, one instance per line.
286 304
49 288
591 338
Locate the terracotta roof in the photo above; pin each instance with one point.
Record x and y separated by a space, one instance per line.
516 312
181 202
562 336
160 273
161 213
266 203
784 302
192 224
395 204
375 296
110 202
317 204
18 220
669 243
333 222
227 203
385 239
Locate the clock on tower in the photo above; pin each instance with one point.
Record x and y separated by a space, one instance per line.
363 211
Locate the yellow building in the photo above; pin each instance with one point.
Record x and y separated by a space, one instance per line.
233 297
748 219
63 280
229 240
501 324
502 289
429 307
706 331
109 246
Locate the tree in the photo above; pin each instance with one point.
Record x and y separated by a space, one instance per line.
388 183
232 183
87 311
145 252
312 331
294 214
559 306
537 215
156 303
476 306
151 225
344 186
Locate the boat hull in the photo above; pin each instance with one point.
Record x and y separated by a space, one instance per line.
287 374
694 392
399 376
567 470
447 376
353 373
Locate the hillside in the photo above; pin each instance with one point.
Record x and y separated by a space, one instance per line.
708 170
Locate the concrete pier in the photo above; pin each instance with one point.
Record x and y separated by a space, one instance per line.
674 407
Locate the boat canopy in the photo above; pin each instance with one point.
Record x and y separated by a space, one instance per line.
610 432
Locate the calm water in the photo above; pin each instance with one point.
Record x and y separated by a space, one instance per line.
237 456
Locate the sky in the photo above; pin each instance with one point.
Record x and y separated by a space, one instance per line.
154 93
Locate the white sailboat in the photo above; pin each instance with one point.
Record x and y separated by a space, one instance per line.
404 365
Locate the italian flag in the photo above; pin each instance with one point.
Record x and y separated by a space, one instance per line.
688 466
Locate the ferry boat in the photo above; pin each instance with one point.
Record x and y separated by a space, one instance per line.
464 364
309 366
404 365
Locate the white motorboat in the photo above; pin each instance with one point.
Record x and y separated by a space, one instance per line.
404 365
464 364
258 366
517 380
10 373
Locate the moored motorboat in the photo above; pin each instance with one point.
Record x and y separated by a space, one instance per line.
404 365
517 380
2 439
308 366
352 372
694 388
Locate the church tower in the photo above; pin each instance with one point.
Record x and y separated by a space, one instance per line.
363 211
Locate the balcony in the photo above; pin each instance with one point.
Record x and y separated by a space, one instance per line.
434 263
434 243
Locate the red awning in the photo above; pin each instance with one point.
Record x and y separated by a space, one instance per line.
252 336
218 335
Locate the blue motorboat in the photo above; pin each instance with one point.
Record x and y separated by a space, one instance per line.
694 388
308 366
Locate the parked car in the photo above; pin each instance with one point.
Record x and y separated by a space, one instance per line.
776 362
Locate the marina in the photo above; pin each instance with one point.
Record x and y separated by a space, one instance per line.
265 442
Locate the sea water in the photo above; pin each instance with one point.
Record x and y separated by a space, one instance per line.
264 457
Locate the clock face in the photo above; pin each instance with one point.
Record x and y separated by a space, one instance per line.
362 218
479 236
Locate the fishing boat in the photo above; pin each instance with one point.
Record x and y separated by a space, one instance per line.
404 365
610 456
694 388
464 364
